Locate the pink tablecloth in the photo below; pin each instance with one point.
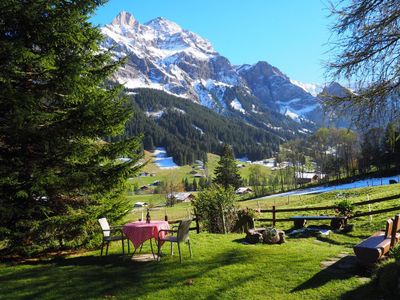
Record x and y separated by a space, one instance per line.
140 231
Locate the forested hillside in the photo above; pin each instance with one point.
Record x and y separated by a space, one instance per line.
188 130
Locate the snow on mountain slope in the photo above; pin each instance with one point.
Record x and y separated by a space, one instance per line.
311 88
235 104
162 55
276 90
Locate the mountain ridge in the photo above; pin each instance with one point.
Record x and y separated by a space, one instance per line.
163 56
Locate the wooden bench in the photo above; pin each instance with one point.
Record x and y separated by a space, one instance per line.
336 221
376 246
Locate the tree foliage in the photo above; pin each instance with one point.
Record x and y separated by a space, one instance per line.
227 172
367 52
217 208
57 174
189 131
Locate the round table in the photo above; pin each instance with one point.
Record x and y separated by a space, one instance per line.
138 232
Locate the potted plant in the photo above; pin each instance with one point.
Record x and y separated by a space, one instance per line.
344 208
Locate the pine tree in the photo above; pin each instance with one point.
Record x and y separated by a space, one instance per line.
58 174
195 185
187 185
202 183
227 172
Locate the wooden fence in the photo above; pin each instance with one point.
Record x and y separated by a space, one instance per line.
196 221
275 210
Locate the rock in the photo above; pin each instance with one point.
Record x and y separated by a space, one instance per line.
253 237
273 236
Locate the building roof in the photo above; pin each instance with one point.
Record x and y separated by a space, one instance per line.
179 196
243 189
309 175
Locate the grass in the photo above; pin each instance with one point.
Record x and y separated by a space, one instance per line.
222 267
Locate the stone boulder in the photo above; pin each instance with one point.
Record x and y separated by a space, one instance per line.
253 237
273 236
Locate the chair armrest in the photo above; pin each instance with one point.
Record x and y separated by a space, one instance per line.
166 230
113 229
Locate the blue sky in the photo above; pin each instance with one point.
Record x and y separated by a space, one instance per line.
289 34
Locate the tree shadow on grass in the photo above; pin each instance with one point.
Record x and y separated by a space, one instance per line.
98 277
342 269
369 291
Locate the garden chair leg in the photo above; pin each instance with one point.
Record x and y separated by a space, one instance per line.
180 254
141 246
158 251
108 243
190 249
129 248
123 247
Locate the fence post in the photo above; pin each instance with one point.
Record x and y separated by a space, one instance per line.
369 210
197 222
273 216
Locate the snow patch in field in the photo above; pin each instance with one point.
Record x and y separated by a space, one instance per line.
162 161
346 186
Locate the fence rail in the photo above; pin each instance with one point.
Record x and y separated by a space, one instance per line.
196 220
375 212
275 210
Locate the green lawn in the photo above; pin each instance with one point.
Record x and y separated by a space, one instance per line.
222 267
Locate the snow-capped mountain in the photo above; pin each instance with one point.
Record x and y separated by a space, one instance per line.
162 55
311 88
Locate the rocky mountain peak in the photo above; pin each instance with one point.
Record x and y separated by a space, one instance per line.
164 25
163 55
267 70
336 90
125 19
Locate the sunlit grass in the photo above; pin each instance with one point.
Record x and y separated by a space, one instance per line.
222 267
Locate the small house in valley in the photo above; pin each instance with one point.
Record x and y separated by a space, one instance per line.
243 190
140 204
180 197
308 177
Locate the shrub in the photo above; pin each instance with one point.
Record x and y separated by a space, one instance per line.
217 208
395 253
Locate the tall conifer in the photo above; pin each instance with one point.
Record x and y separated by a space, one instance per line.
227 172
57 173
